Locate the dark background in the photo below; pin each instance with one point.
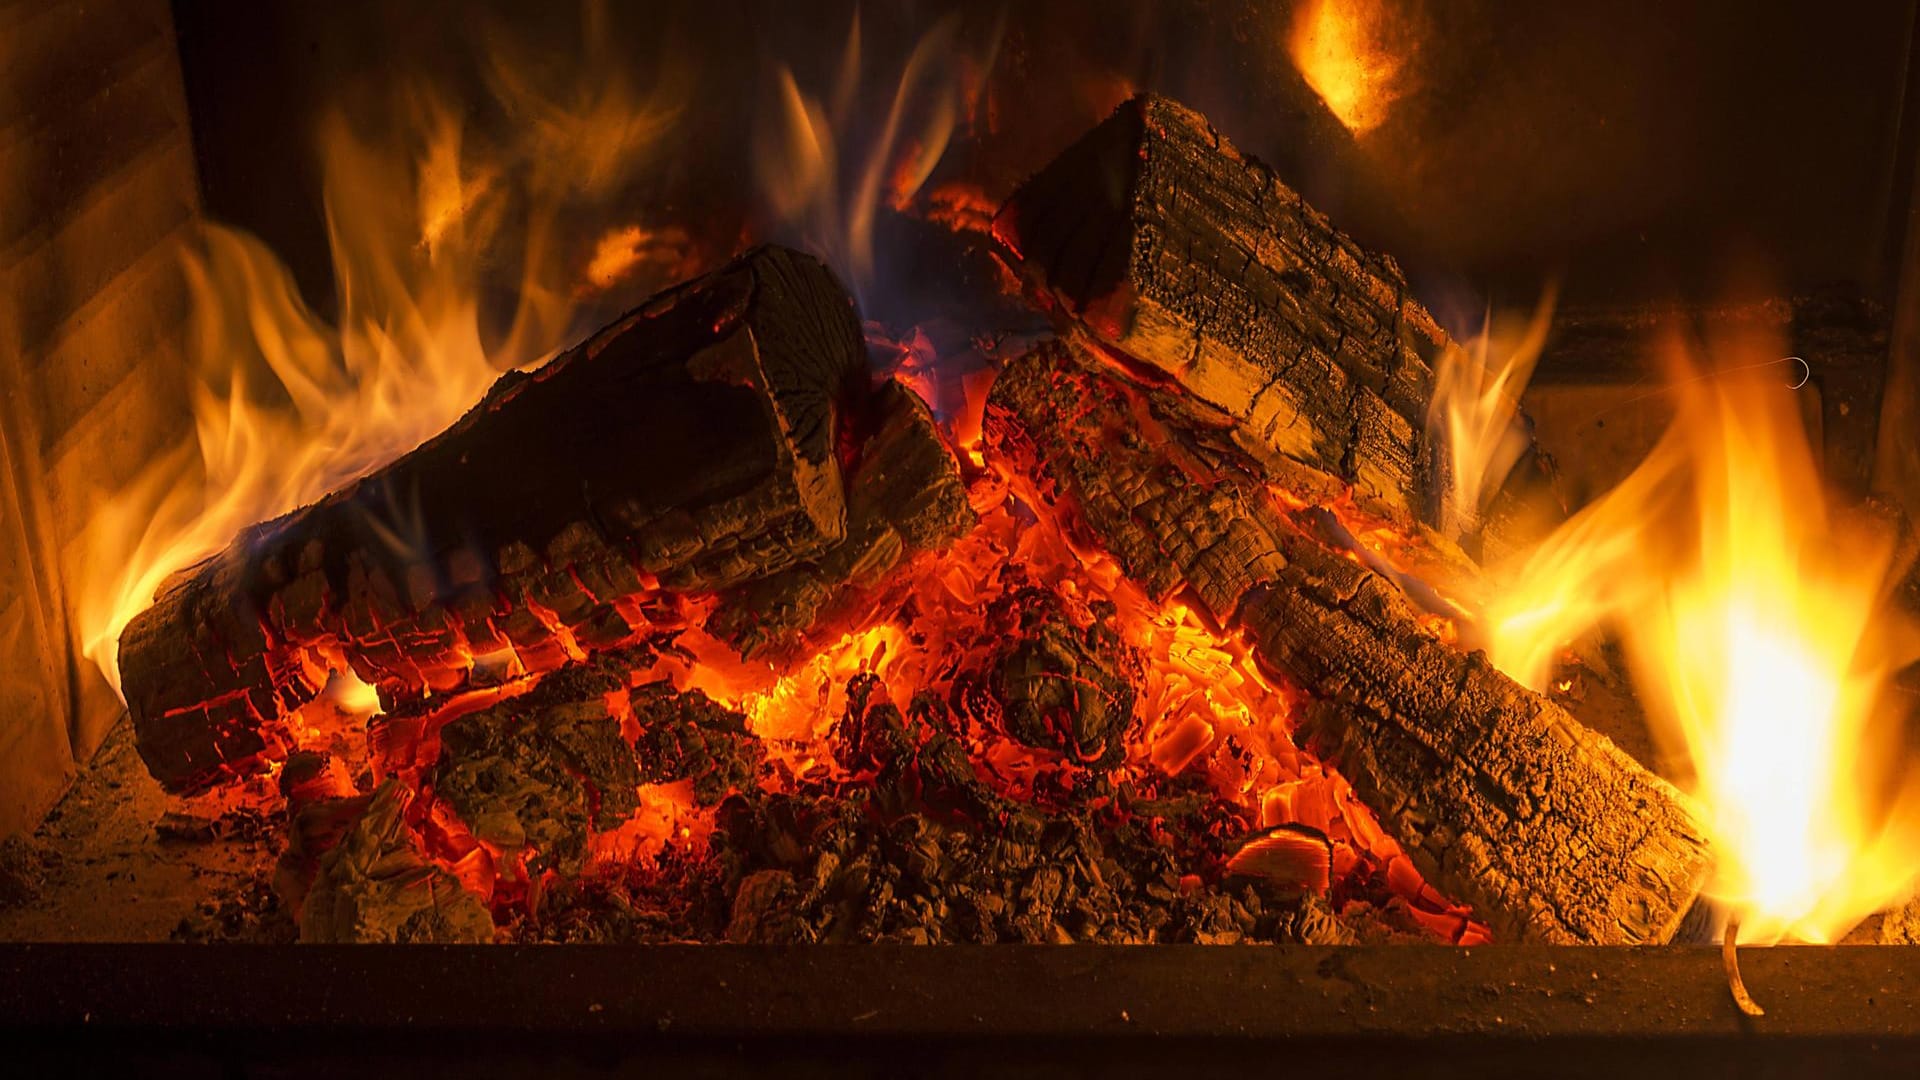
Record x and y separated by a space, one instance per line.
1637 150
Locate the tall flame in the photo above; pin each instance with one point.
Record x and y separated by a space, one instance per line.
1476 401
288 405
1758 634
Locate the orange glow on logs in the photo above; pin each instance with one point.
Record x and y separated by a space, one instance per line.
289 406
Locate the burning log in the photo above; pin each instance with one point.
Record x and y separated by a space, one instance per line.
1165 243
692 445
1501 798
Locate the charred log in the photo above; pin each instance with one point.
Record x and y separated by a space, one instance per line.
1165 243
692 444
1501 798
688 736
905 496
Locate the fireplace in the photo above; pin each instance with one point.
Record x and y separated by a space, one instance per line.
1368 488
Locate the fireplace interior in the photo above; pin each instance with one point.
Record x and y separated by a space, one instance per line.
1415 497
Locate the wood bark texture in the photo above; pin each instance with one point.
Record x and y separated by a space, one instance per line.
692 445
1167 244
1501 798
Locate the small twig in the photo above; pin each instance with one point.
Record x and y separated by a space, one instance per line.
1730 959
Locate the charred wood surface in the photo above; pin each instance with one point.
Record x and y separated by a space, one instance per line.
542 771
692 444
1169 245
905 496
1157 238
1502 798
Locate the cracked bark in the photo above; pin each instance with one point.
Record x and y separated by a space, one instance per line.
1501 798
1163 242
692 445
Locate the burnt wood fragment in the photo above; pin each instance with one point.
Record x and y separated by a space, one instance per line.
1501 798
543 770
1057 682
689 736
690 445
374 886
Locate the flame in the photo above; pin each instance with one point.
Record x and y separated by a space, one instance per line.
1352 53
1476 398
821 181
289 405
624 249
1758 634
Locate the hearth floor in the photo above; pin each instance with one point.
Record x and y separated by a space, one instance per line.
120 860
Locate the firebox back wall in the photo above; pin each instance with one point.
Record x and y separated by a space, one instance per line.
97 193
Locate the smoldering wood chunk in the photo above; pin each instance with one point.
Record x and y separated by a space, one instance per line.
905 496
1501 798
1900 925
373 886
765 910
1062 680
544 770
689 736
912 759
691 444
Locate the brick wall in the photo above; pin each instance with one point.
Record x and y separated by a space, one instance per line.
97 193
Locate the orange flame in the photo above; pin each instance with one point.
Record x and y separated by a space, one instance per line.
1761 643
1352 53
289 406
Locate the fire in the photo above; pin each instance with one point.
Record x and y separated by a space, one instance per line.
289 405
626 249
825 176
1351 53
1760 640
1476 397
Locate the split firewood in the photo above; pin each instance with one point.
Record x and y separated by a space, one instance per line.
691 445
1160 240
1501 798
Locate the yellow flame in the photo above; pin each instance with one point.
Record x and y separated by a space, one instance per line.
288 405
1760 641
1350 53
1476 399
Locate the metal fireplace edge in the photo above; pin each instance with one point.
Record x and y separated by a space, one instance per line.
1429 1011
